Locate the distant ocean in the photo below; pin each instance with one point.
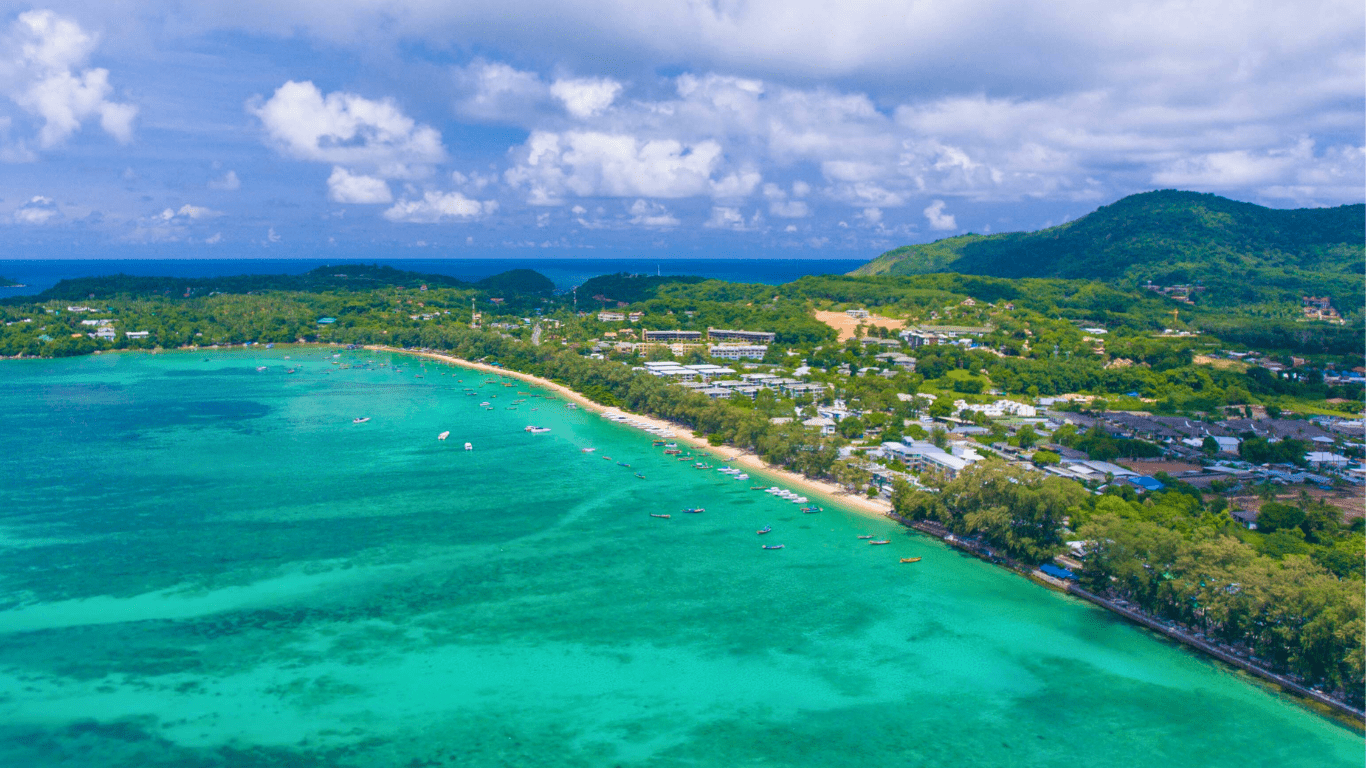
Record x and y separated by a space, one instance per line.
39 275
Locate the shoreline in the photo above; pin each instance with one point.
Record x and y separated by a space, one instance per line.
828 492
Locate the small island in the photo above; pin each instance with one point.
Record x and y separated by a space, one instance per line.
5 282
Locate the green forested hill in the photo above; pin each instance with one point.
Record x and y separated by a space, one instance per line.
1240 252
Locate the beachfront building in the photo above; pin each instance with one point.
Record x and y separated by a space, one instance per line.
922 456
740 337
738 351
857 314
137 334
826 426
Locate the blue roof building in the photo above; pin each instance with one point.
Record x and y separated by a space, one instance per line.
1146 483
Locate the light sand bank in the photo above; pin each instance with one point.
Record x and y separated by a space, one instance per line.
814 489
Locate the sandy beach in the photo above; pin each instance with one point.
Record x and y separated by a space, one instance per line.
827 492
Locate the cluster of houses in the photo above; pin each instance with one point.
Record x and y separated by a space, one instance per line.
721 343
923 336
715 381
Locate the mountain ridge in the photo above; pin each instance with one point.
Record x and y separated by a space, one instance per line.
1241 252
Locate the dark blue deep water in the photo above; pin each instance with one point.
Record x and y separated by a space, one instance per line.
37 275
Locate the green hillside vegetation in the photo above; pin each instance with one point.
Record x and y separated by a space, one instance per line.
350 277
518 281
1240 253
628 288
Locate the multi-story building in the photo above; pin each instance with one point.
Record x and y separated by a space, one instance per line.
673 336
740 337
738 351
611 317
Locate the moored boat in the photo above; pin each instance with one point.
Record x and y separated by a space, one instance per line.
869 536
694 510
773 546
589 450
883 541
666 517
361 420
443 435
469 446
642 477
765 529
910 559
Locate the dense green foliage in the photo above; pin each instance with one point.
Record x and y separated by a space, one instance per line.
353 277
1292 593
623 287
1018 512
518 281
1241 253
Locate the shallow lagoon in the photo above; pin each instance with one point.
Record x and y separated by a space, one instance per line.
206 564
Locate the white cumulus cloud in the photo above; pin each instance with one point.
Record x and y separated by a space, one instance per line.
346 129
42 71
191 212
652 215
586 97
725 217
589 164
934 213
436 207
346 187
38 210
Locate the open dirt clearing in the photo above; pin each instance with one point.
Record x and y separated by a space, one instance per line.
846 324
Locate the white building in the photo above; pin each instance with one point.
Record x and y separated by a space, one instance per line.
137 334
997 409
611 317
857 314
921 456
1326 460
738 351
826 426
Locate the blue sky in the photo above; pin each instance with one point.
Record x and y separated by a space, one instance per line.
678 127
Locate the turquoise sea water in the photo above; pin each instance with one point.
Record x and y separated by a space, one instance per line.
203 564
